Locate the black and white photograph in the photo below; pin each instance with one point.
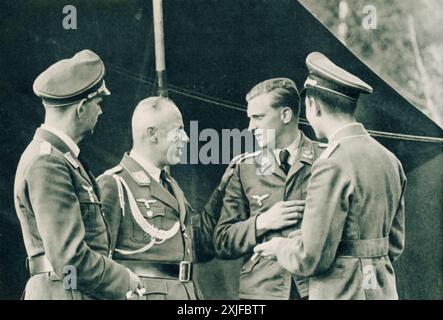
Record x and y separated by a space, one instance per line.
221 150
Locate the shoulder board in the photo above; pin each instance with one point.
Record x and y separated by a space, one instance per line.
322 144
241 157
329 150
45 148
111 171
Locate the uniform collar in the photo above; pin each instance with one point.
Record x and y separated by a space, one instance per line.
54 140
151 169
73 147
143 179
349 130
292 149
305 154
61 146
307 149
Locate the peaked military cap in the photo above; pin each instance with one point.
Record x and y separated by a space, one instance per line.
325 75
71 80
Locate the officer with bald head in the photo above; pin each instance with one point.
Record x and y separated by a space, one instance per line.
158 132
154 231
56 197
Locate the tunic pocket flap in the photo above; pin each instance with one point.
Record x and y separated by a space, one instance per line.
156 288
152 211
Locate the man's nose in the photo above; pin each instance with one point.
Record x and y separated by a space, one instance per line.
252 126
100 111
185 137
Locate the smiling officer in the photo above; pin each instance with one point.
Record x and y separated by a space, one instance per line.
154 230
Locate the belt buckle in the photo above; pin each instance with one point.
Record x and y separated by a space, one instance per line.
185 271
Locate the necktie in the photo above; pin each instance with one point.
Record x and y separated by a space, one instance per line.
284 164
164 179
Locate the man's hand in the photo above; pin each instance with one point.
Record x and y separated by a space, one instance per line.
136 287
280 215
295 233
267 249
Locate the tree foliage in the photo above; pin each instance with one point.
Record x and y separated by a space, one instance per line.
415 72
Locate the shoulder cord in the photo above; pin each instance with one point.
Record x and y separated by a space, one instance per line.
157 236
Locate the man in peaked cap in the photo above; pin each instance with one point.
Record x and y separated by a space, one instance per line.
56 197
265 195
353 224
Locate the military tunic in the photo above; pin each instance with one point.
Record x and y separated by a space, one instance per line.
353 224
130 194
58 206
256 185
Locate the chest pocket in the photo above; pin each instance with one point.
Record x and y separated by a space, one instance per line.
154 213
90 208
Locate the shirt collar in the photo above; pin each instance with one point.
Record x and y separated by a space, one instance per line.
151 169
64 137
292 149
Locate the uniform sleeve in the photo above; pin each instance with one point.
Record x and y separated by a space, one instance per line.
235 233
60 224
112 213
397 232
203 225
313 249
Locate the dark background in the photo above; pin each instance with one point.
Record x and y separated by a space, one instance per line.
213 48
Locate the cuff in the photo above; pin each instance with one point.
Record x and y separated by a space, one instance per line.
252 228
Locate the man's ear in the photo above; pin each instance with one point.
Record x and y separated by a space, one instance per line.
81 109
152 134
312 103
286 115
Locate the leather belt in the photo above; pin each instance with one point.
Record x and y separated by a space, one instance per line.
363 248
147 269
38 264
